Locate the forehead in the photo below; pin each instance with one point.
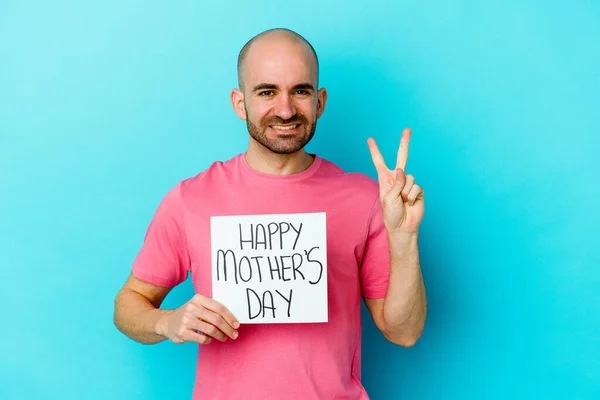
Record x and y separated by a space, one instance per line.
279 61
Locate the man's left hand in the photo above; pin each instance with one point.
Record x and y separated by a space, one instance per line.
402 200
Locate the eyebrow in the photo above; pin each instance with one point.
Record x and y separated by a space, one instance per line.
270 86
306 86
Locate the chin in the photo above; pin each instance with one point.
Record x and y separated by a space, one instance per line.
284 149
279 142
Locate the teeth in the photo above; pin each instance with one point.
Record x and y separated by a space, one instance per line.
284 128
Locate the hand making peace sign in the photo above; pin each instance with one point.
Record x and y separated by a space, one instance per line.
402 200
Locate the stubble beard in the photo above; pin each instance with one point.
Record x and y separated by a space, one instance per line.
283 144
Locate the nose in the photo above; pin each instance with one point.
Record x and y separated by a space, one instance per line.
285 108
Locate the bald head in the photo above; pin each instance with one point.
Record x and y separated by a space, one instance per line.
268 42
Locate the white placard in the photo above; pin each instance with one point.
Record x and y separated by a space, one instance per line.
271 268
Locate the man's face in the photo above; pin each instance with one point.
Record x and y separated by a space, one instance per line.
280 101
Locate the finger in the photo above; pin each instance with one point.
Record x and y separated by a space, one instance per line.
378 160
403 150
195 324
210 330
218 308
219 322
414 194
399 182
193 336
408 185
189 323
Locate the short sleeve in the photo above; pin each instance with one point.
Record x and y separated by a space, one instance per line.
163 259
375 263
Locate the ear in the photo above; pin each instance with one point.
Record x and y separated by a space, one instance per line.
321 100
237 101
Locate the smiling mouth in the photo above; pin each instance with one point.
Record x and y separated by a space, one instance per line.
285 127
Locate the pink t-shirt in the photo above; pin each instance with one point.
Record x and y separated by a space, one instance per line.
276 361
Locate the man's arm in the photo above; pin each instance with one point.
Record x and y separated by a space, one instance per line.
400 316
137 311
137 315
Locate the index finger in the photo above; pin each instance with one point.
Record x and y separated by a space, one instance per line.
218 308
403 150
378 160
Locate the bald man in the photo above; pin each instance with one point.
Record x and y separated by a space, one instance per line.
371 236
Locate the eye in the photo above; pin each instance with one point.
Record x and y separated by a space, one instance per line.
302 92
266 93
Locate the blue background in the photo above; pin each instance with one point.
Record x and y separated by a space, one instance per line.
105 105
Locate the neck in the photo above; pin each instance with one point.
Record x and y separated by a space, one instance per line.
263 160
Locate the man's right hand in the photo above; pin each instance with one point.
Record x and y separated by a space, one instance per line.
199 320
